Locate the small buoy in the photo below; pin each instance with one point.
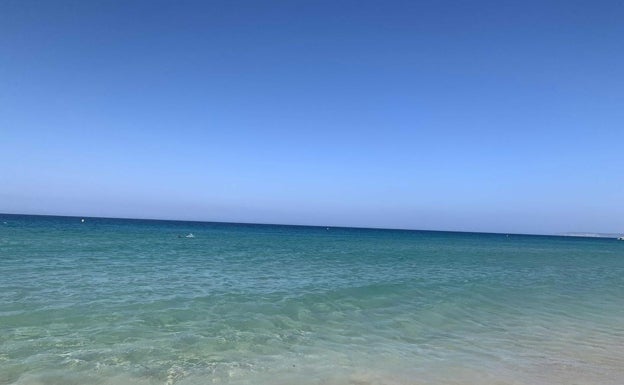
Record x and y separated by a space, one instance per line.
82 220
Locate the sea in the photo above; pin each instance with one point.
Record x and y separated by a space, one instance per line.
123 301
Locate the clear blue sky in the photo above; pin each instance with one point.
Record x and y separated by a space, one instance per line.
503 116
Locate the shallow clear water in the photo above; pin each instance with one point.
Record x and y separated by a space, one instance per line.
129 302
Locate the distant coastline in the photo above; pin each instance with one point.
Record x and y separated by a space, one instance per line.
592 235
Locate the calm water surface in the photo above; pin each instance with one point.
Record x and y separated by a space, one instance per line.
114 301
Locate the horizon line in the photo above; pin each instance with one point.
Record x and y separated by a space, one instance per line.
566 234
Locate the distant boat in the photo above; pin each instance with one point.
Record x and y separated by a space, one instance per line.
621 239
189 235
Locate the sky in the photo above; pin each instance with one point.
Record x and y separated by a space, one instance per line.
498 116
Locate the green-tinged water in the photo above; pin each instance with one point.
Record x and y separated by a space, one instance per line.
113 301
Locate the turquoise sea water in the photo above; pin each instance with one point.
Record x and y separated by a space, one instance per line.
114 301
